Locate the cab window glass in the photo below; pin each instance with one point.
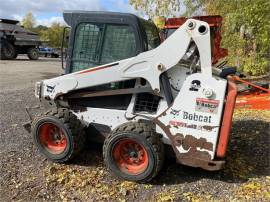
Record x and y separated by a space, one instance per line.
87 40
119 43
97 44
152 35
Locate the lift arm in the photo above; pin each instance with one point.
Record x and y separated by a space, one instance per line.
148 65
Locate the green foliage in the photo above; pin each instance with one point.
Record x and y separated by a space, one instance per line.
39 29
53 34
154 8
193 7
245 31
29 21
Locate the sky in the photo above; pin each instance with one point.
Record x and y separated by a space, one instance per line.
48 11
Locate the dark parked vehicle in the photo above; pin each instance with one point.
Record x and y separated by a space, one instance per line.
14 40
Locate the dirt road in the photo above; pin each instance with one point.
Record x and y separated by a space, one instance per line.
25 175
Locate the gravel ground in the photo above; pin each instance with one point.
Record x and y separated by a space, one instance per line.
25 175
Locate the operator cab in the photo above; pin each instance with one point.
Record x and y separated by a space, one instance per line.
98 38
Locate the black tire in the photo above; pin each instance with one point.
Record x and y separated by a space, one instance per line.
33 53
15 56
72 130
2 57
54 55
8 51
143 134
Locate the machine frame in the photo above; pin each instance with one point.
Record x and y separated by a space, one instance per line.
193 122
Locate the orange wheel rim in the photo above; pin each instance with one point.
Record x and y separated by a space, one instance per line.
52 138
130 156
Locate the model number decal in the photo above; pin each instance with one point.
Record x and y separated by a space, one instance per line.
181 124
207 105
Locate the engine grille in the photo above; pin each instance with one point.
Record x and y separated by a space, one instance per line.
146 102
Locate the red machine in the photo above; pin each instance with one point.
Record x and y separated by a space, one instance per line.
253 96
215 23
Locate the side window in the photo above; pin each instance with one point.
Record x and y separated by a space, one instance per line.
97 44
86 45
119 43
151 31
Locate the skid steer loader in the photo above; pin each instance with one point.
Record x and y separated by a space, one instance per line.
145 95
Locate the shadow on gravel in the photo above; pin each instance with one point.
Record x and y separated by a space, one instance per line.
90 156
247 157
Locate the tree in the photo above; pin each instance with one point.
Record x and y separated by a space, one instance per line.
29 21
154 8
39 29
53 34
246 31
193 7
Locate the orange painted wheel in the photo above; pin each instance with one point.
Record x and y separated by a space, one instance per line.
130 156
134 151
52 138
58 134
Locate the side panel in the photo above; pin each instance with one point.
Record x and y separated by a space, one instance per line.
109 117
192 123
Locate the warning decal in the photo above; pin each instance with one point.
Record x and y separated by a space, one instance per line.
207 105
